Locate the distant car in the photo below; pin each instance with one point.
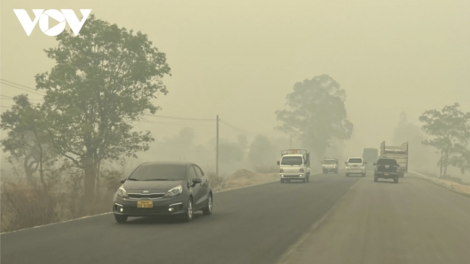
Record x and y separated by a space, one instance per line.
329 165
355 165
386 169
163 188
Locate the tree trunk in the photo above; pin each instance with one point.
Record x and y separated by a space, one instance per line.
89 186
440 164
41 169
446 162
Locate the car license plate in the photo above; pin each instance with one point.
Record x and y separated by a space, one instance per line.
144 204
386 174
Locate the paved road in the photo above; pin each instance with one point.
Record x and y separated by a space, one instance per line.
411 222
251 225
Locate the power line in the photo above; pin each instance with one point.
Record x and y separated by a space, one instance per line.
6 96
181 118
173 123
24 86
26 90
234 127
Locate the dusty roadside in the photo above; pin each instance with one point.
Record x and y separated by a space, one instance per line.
460 188
244 178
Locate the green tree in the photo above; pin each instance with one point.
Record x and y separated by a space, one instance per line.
316 114
103 80
450 131
26 138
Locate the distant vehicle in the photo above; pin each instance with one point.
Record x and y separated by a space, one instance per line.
163 188
386 169
370 155
355 165
294 165
398 153
329 165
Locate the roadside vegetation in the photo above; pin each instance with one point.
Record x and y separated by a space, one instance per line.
67 154
449 132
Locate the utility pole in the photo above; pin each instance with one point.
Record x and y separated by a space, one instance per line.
217 148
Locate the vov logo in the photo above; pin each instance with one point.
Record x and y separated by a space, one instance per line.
43 17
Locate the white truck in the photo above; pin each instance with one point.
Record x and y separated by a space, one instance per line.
398 153
329 164
294 165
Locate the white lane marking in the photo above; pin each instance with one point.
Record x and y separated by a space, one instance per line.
285 258
90 216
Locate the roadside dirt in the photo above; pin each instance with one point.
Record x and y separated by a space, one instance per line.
245 178
461 188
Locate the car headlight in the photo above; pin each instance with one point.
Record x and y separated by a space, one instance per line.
122 192
281 170
174 191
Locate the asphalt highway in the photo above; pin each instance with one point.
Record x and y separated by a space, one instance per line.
331 219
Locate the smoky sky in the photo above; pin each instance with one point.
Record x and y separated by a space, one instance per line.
239 59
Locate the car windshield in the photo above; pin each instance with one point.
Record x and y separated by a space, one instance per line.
355 161
291 161
329 162
386 162
160 172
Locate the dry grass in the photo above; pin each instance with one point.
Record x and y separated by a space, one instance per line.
244 178
26 204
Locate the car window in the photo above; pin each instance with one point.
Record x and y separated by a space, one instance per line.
159 172
192 173
386 162
291 161
329 161
198 171
355 160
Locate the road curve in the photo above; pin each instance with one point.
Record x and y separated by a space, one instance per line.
250 225
413 222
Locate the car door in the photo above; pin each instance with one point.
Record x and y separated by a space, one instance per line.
205 188
195 188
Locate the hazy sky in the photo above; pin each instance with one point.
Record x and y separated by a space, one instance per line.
239 59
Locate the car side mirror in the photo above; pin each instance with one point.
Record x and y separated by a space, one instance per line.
123 180
398 165
345 163
375 164
365 162
196 181
278 163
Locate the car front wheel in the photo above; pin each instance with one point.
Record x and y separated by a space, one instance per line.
208 209
188 216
